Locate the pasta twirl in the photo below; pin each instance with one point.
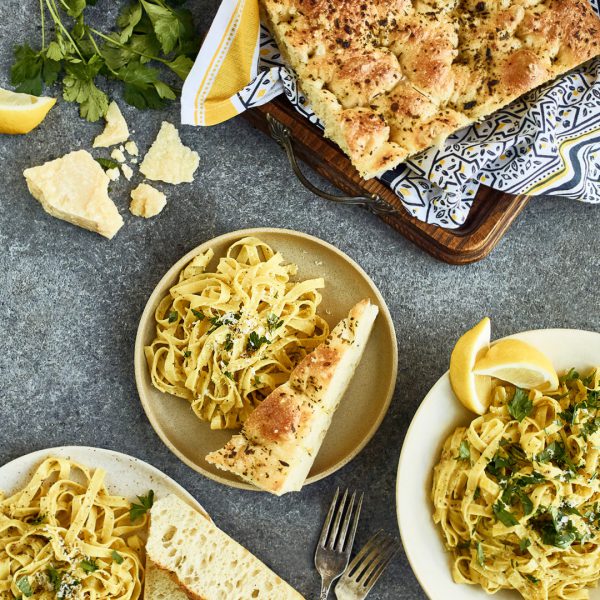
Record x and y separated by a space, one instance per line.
226 339
64 537
517 495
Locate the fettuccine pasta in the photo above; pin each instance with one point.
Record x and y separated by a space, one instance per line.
64 537
517 496
226 339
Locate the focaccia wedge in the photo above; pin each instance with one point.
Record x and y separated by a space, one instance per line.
281 438
389 78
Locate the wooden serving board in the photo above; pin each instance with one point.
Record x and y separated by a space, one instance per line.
490 217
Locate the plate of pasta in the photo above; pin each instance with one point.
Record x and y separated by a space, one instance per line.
73 523
508 502
227 325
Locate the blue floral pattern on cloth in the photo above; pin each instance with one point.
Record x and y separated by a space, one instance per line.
547 142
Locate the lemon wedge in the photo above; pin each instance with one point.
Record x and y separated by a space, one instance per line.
20 113
473 391
518 363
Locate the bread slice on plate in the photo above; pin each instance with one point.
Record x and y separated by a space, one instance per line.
204 561
281 438
160 585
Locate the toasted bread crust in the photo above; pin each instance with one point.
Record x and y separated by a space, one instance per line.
389 78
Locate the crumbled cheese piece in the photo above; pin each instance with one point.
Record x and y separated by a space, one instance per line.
127 172
113 174
131 148
75 188
146 201
168 159
117 155
116 130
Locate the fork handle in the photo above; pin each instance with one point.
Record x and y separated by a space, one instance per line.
325 587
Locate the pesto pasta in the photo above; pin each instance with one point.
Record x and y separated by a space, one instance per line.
225 339
64 537
516 493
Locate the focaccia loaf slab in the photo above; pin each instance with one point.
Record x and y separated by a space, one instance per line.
389 78
281 438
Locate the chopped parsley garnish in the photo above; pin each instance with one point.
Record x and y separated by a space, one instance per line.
524 544
107 163
187 353
464 451
572 375
23 585
556 453
88 565
587 381
198 314
256 381
173 316
228 345
555 528
505 517
139 510
55 578
273 322
255 341
477 493
38 520
531 578
480 554
117 557
520 406
226 319
229 375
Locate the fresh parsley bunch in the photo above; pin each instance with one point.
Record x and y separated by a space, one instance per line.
147 32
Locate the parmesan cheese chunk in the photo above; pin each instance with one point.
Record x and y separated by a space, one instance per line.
168 159
117 155
113 174
75 188
116 130
131 148
146 201
127 172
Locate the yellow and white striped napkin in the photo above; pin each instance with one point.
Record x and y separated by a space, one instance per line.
226 64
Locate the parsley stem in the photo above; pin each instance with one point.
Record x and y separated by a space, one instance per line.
120 45
43 19
89 34
53 9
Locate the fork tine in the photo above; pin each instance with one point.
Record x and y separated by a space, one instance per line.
345 524
336 523
327 524
378 571
372 559
349 542
358 559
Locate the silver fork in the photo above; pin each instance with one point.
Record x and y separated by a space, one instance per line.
337 537
366 567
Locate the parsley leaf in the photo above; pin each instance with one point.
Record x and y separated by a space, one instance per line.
79 86
228 345
480 554
25 587
273 322
520 406
505 517
107 163
88 565
31 70
255 341
139 510
198 314
524 543
117 557
464 451
55 577
572 375
173 316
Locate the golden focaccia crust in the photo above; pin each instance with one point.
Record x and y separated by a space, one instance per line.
389 78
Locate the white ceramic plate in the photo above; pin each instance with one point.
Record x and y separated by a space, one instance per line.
439 414
125 475
368 396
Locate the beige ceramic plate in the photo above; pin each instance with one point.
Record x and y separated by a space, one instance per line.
367 399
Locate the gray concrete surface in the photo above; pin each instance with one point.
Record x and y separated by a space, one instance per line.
70 303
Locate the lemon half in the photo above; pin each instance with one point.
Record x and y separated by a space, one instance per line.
20 113
519 363
473 391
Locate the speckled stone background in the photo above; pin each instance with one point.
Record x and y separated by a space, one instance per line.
70 303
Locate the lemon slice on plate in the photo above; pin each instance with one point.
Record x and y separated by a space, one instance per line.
473 391
20 113
518 363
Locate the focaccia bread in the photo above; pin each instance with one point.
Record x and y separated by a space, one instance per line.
389 78
282 436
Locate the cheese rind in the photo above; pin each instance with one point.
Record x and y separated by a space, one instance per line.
146 201
116 130
168 159
74 188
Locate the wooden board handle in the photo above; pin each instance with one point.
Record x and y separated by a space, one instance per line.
372 202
